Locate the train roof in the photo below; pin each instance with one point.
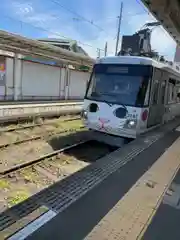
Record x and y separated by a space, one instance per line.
174 68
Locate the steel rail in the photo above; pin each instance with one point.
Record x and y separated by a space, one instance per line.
39 159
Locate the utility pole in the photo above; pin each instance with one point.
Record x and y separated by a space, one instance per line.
98 52
119 28
105 50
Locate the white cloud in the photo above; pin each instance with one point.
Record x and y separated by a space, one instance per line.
26 12
22 8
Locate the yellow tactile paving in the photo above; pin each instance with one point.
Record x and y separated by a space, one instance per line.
132 214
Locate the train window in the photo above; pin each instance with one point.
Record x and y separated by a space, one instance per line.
92 85
143 93
177 93
87 83
155 92
178 96
172 81
146 100
141 43
117 85
169 93
163 91
172 96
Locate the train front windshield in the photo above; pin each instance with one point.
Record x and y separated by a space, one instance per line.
119 84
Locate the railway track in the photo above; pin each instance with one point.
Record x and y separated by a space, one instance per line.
13 153
39 159
41 154
5 145
26 133
47 156
12 129
28 177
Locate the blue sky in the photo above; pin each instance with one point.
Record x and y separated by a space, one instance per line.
90 22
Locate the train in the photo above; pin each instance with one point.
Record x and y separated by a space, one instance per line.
130 95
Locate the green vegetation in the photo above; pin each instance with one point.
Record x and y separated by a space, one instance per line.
84 68
76 124
4 184
43 209
29 175
17 197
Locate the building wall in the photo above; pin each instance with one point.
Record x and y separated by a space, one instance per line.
2 76
40 81
36 81
9 92
77 84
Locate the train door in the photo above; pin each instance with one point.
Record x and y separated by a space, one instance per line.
156 107
171 107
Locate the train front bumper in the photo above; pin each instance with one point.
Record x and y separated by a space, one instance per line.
119 131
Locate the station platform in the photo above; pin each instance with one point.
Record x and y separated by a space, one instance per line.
133 193
20 102
25 110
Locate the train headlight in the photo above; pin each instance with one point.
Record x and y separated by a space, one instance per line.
84 114
131 123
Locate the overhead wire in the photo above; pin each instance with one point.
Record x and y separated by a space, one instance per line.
80 17
92 22
48 31
77 14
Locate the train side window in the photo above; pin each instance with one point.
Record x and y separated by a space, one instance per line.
155 92
146 100
177 93
171 91
163 91
143 93
178 96
91 86
156 83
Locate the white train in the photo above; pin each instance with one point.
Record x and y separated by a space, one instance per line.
127 96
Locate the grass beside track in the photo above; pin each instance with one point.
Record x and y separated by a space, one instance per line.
14 189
